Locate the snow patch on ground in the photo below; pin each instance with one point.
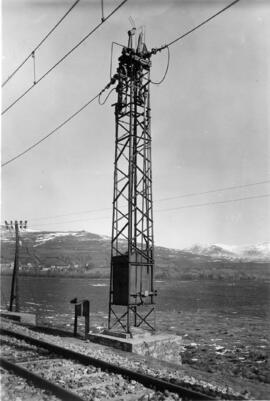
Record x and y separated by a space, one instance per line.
42 238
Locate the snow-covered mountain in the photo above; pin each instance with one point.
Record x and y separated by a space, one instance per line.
246 253
81 252
80 236
212 252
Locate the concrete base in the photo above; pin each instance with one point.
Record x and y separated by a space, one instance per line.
163 346
22 317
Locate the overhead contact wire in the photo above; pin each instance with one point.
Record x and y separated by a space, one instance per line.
40 43
196 27
64 57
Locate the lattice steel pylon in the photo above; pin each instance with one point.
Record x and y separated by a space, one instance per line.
132 291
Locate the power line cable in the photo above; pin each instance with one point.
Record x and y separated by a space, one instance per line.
158 200
166 46
153 50
214 203
174 208
215 190
77 220
63 58
50 133
166 70
111 56
53 131
106 98
71 214
195 28
40 43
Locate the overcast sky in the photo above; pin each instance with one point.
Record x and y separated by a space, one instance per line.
210 118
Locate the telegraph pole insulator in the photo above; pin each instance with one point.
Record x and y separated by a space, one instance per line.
132 294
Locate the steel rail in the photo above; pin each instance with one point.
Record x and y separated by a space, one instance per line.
40 382
146 380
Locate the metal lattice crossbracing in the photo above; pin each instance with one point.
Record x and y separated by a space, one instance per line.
132 259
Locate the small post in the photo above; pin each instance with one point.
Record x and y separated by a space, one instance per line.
82 308
86 314
75 324
135 316
78 312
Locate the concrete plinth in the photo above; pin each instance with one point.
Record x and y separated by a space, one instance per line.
163 346
22 317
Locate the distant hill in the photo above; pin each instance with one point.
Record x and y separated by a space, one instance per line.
84 253
244 253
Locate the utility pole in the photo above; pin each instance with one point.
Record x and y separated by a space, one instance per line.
14 293
131 300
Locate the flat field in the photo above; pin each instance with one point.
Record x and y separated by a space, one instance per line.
224 324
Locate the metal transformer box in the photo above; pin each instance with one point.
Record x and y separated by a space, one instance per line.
120 280
132 281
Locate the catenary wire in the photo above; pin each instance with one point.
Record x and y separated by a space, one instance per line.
40 43
158 200
196 27
60 125
51 132
166 46
204 22
63 58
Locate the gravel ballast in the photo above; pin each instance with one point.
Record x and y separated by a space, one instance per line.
148 366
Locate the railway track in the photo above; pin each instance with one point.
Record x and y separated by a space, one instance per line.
71 375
